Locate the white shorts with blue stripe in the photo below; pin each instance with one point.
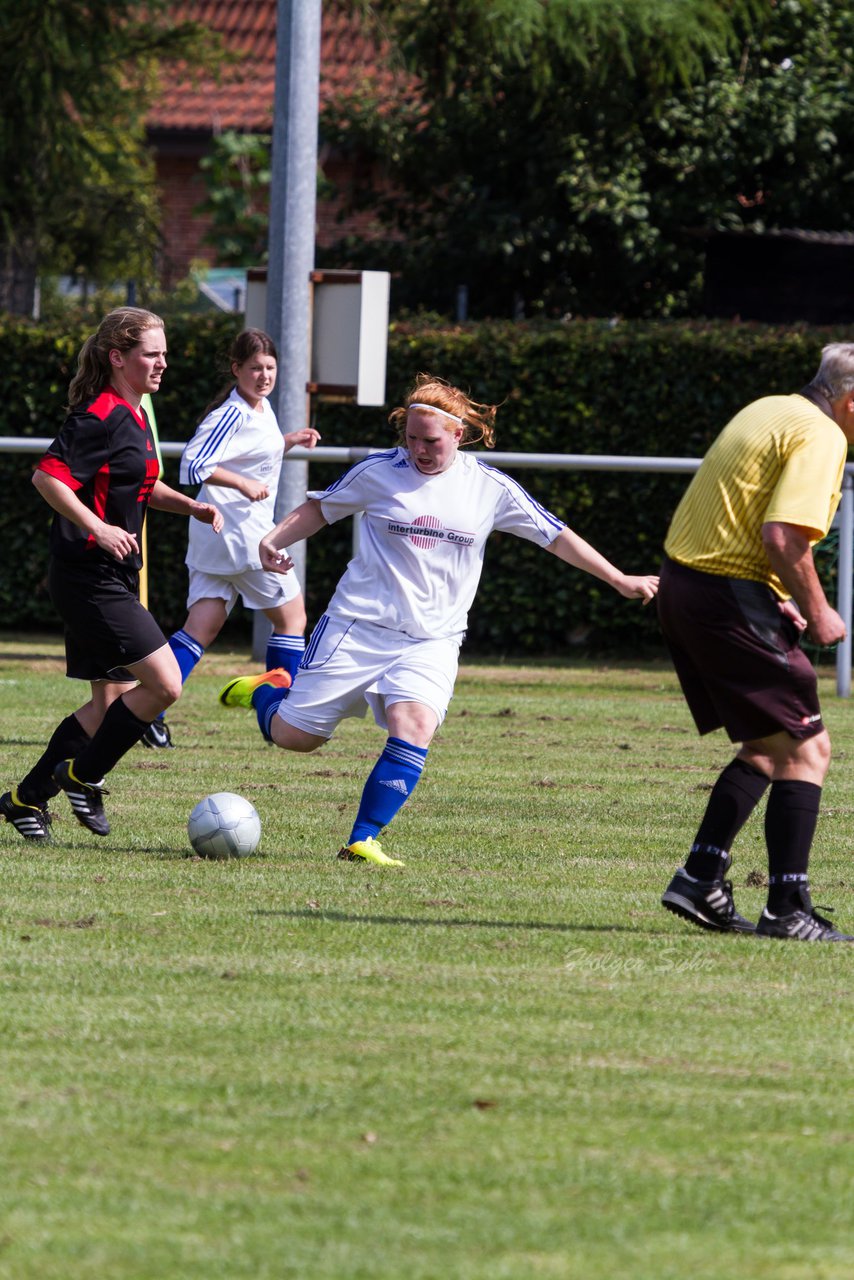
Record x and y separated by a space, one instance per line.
258 588
351 665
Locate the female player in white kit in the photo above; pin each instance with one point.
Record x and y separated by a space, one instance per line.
236 456
391 635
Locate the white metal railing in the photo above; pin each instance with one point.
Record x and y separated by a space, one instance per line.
573 462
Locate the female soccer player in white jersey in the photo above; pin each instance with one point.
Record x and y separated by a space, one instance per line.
236 456
391 635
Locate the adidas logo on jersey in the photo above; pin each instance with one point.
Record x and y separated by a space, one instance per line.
403 463
396 784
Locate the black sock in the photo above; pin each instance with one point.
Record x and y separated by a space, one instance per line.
790 822
66 741
735 795
118 732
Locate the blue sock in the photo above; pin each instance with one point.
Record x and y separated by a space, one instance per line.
188 653
266 699
391 782
285 651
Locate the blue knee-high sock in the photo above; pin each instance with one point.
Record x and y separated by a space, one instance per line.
285 651
188 653
266 699
390 783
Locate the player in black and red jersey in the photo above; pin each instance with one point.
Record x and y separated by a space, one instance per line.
99 476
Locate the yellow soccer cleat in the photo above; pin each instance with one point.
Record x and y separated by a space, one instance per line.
238 692
369 850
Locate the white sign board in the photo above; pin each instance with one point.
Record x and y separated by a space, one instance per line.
349 331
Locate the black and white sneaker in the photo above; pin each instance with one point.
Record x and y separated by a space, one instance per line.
157 736
804 924
30 820
707 903
86 798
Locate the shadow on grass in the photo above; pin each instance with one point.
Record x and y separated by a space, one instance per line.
36 657
346 917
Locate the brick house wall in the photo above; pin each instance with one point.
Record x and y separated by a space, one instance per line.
181 188
188 113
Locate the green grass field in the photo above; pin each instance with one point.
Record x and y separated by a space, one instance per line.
503 1061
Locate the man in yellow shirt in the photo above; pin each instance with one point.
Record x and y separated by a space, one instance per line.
738 588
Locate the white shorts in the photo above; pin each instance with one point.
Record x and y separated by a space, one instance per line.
351 665
259 588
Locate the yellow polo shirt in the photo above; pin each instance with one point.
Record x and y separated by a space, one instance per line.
780 458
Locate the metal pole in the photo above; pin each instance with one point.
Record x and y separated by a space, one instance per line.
293 198
845 569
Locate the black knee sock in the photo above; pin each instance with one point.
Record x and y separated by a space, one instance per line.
790 822
118 732
735 795
66 741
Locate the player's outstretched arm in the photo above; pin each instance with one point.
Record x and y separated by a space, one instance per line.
573 550
298 524
308 438
165 498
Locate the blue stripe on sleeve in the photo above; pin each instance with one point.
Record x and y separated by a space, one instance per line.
213 447
522 496
359 467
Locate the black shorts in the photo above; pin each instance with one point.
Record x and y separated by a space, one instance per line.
738 658
106 627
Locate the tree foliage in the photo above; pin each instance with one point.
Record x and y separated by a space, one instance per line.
237 176
76 182
569 157
452 43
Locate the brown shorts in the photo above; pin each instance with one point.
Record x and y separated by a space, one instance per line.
738 658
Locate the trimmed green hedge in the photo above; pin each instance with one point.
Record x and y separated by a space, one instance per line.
661 389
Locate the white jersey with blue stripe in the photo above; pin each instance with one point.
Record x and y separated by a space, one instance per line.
248 442
423 537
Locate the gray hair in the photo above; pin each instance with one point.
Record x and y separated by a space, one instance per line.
835 375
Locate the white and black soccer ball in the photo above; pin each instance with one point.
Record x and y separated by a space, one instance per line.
224 826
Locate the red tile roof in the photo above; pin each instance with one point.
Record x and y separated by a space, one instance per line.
243 98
